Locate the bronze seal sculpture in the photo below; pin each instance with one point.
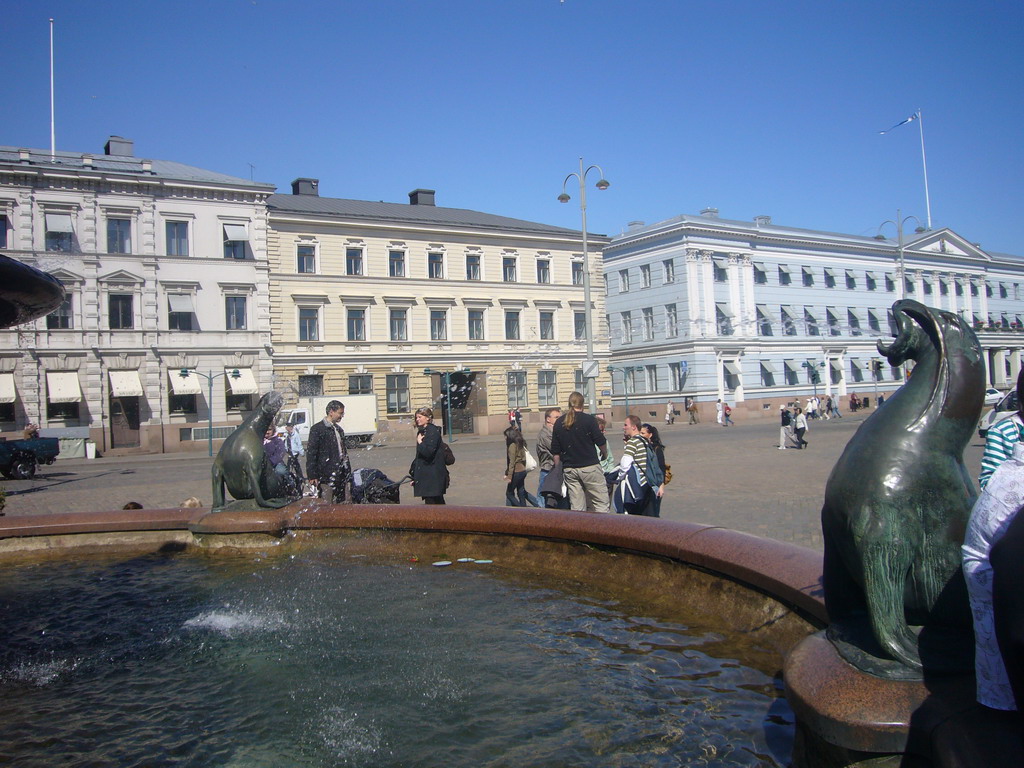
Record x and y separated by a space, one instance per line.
897 504
242 465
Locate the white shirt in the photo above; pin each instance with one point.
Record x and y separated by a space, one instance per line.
992 514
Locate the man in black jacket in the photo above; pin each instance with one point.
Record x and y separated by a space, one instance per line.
327 464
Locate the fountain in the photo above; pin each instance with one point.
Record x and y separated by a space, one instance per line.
199 616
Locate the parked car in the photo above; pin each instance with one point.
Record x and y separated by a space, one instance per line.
1005 407
993 396
19 458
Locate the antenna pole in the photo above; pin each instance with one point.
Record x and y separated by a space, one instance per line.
53 135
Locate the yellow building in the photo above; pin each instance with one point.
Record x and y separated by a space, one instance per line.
412 302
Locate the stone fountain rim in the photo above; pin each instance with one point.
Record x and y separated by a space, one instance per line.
786 572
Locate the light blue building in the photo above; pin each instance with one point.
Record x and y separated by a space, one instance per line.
758 314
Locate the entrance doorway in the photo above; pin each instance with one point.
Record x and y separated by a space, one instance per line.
124 422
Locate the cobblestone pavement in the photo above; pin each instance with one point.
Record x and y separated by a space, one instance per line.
734 477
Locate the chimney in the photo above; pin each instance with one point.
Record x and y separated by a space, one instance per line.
116 145
421 197
710 213
302 186
762 221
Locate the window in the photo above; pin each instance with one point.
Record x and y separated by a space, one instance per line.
353 261
670 270
236 238
119 236
767 375
675 372
908 286
784 276
627 328
305 259
517 389
623 281
792 373
830 278
512 325
788 323
396 263
181 403
543 271
397 388
671 321
60 232
890 284
3 231
120 311
472 266
435 265
648 317
811 324
360 384
723 320
1002 286
834 328
870 282
311 385
547 326
808 276
974 289
309 324
476 325
547 390
988 289
62 411
235 309
61 318
851 281
179 312
177 238
651 377
579 326
959 288
235 402
873 323
764 323
579 383
399 328
760 275
854 322
438 324
577 273
508 269
721 275
356 322
645 275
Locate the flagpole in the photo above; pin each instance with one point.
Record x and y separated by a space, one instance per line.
924 164
53 135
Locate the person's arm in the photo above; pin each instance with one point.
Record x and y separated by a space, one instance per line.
627 459
313 455
428 446
599 439
999 442
660 453
511 451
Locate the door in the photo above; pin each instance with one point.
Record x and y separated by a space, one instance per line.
124 422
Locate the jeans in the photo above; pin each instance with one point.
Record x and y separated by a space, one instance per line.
517 488
541 476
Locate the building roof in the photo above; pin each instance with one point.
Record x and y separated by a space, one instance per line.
122 165
413 214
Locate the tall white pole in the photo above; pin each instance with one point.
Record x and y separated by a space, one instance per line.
587 316
53 135
924 165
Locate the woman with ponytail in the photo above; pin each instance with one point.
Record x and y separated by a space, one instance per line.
578 444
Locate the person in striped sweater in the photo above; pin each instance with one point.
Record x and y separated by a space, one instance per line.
1002 436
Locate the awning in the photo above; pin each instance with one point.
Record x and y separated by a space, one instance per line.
831 312
762 309
837 365
856 312
720 262
809 311
855 363
784 269
59 222
732 367
236 232
792 365
787 309
125 384
768 366
878 314
184 385
869 275
723 307
7 392
807 270
759 266
180 302
850 274
62 387
244 383
829 271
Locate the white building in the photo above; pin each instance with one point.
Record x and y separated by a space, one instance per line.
746 312
165 268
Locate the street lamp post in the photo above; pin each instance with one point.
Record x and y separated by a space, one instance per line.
590 366
813 373
447 396
898 223
625 379
234 374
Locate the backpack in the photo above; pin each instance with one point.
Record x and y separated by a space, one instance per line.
655 475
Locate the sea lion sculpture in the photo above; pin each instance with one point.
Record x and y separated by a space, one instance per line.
242 465
897 504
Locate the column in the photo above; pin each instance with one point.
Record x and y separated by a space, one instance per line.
983 300
997 372
708 325
693 291
1015 355
917 278
968 300
951 296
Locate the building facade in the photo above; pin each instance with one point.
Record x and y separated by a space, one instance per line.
166 272
757 314
423 305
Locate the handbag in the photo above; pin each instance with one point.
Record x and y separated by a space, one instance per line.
529 460
668 474
449 456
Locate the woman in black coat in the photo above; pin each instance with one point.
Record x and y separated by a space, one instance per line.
429 473
650 434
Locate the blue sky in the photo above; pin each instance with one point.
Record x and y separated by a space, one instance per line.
751 107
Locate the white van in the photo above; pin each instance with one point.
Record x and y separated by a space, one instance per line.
360 422
1004 408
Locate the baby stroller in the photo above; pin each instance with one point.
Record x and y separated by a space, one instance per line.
371 486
